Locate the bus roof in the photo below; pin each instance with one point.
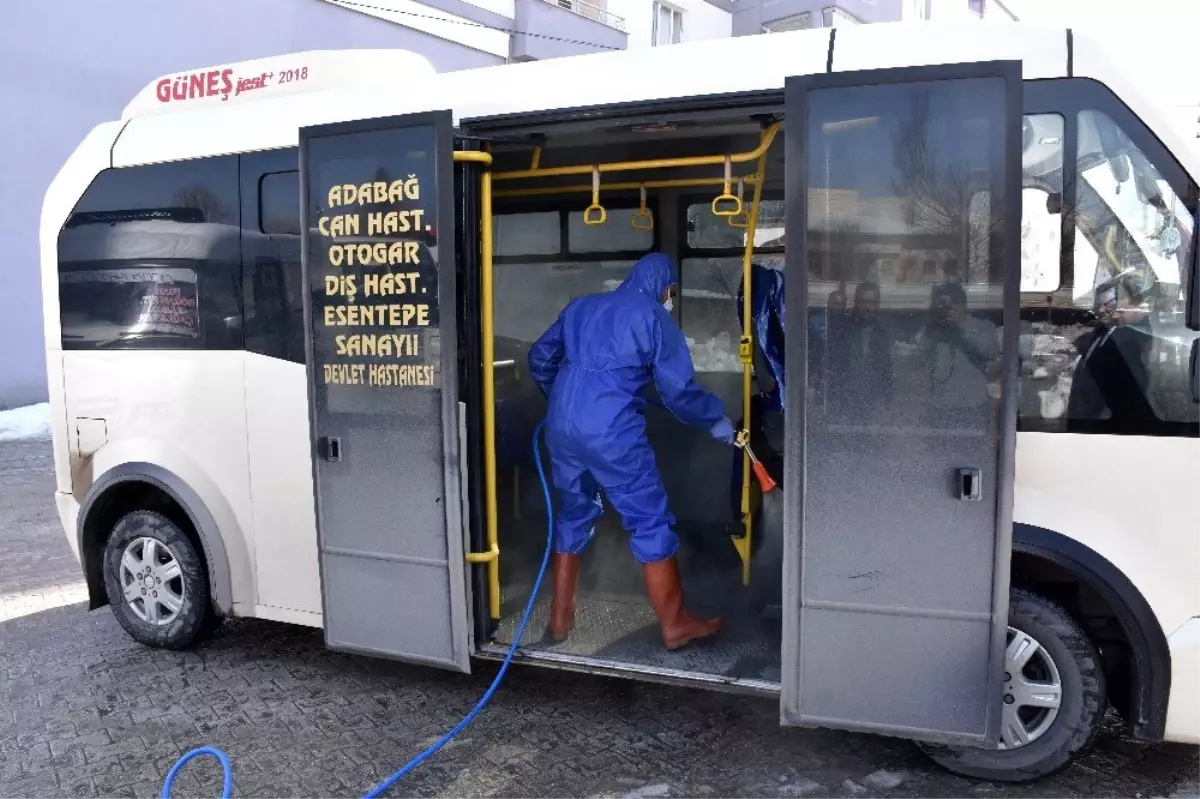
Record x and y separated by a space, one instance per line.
375 83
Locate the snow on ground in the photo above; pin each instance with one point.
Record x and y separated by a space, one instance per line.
718 354
25 424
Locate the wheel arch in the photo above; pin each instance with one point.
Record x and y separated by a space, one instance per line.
1151 673
125 476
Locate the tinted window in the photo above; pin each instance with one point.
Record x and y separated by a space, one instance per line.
150 259
279 203
272 278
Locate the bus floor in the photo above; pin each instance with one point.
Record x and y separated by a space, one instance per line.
614 622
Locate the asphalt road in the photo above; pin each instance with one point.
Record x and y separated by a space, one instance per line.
84 711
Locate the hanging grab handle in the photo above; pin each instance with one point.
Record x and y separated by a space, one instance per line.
741 219
642 219
595 214
726 204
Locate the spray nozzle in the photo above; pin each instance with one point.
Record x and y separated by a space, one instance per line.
765 481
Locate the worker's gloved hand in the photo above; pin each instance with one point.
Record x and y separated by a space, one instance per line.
723 431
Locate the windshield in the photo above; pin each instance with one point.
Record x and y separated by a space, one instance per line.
1136 230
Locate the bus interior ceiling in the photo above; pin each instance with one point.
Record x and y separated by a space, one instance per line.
545 255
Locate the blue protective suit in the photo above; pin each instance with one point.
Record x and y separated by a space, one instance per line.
768 320
594 364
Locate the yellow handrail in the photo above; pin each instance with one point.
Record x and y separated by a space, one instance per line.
595 214
768 136
472 156
487 312
487 323
581 188
747 343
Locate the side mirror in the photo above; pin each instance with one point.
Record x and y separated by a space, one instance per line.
1054 203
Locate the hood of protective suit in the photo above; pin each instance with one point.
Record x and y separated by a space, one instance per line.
651 275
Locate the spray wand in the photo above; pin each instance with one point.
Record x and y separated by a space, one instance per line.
765 481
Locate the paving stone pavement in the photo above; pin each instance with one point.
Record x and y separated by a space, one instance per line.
84 711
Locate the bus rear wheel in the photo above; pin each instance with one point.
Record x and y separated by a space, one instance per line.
1054 697
156 582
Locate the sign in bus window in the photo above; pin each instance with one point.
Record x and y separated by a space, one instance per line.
111 306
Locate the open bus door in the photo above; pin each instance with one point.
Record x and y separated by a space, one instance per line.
379 235
901 430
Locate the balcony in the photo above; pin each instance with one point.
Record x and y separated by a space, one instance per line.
555 28
592 12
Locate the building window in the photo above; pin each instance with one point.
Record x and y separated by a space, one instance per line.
833 17
668 25
796 22
919 9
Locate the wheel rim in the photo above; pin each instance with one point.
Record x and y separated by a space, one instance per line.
1032 691
152 581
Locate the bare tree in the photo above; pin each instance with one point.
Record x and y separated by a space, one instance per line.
944 200
204 199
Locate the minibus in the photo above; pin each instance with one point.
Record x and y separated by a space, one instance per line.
945 276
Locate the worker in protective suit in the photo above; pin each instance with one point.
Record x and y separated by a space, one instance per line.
594 364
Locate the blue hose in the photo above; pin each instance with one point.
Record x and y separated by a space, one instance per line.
203 750
379 789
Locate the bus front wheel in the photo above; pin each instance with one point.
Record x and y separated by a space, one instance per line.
156 582
1054 697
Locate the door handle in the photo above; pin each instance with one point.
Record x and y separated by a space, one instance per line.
970 484
1195 367
330 448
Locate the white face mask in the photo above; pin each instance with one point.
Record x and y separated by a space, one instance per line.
669 304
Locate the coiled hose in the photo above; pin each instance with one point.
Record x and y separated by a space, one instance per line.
408 767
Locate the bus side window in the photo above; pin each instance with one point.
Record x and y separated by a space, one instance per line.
149 259
273 276
1107 351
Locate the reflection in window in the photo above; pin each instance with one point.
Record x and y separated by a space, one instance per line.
900 249
151 258
279 203
1112 355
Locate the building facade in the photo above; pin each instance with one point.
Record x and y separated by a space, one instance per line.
770 16
68 65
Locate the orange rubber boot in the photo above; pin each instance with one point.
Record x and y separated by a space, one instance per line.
562 606
679 628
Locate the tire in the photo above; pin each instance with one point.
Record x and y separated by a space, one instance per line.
1082 699
167 605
